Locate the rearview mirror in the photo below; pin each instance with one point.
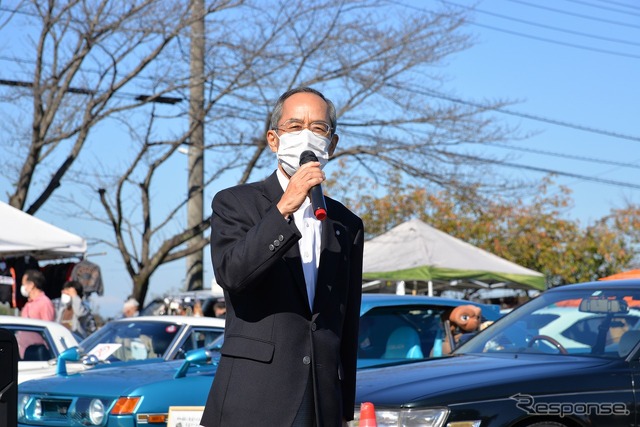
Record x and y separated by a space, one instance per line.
605 306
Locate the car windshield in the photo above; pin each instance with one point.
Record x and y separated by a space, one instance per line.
134 340
598 323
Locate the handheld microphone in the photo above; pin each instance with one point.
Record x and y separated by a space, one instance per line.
315 194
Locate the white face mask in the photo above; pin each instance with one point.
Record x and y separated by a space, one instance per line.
291 146
65 299
24 291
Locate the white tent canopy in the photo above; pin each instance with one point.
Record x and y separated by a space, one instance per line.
22 234
415 251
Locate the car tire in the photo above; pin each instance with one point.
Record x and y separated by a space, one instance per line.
546 424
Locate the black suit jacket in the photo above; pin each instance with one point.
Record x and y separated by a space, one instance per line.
274 343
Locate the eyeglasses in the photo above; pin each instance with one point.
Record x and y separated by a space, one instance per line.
295 127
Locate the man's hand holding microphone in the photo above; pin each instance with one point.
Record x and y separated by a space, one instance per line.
305 182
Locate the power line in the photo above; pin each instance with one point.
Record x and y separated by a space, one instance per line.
439 95
623 4
82 91
574 45
566 156
554 172
532 37
571 175
563 30
577 15
611 9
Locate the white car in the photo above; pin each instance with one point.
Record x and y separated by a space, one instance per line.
39 344
133 339
577 331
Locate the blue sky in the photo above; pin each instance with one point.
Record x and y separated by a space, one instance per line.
568 61
574 62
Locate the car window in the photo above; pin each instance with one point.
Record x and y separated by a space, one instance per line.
33 343
399 333
600 323
538 320
198 338
135 340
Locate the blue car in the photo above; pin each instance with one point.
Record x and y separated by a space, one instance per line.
142 394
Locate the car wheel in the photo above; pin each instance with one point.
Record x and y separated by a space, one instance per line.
546 424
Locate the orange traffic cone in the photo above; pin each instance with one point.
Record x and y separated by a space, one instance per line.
367 415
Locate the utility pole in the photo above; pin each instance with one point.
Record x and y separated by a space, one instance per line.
195 205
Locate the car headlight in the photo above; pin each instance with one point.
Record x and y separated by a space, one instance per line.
406 417
23 400
96 411
37 408
91 410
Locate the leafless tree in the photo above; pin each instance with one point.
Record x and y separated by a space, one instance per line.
85 56
380 62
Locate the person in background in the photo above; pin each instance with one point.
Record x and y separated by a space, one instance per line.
197 308
74 312
38 305
219 309
130 308
292 284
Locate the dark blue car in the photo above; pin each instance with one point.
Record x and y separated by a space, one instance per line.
568 358
143 394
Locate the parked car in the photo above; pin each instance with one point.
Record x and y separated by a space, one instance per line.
568 358
403 327
136 395
136 339
39 342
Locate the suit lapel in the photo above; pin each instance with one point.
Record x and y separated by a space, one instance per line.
334 237
273 192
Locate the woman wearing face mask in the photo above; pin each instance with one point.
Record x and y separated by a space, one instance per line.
73 311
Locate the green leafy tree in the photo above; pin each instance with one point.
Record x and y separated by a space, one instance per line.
534 233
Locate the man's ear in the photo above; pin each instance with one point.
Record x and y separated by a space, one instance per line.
333 144
273 140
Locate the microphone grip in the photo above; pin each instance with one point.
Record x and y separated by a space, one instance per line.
315 194
317 202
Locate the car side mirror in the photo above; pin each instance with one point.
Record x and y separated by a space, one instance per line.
71 354
199 355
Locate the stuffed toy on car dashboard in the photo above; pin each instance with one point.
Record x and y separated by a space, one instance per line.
460 320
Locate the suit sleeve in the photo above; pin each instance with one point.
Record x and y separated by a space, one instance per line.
349 346
244 229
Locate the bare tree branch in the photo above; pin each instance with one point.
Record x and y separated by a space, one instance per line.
110 62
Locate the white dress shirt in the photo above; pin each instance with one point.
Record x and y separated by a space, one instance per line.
310 243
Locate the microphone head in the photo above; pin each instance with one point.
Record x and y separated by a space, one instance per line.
307 156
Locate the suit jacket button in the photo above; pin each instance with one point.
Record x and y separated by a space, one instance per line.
281 238
306 360
314 326
276 243
272 248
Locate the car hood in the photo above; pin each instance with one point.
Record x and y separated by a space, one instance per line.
467 377
33 370
104 381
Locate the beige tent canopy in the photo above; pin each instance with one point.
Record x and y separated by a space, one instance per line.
429 259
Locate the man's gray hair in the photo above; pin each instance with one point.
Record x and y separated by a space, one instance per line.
276 114
131 302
